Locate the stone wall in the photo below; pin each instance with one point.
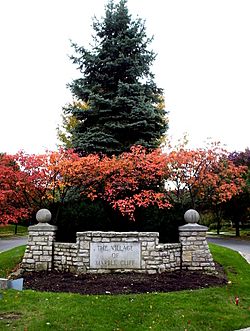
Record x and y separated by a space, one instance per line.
103 252
195 251
40 248
66 257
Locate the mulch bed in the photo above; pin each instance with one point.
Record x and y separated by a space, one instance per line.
123 283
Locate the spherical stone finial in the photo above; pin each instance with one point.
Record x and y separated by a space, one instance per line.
191 216
43 216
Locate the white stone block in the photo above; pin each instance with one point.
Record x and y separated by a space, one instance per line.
45 258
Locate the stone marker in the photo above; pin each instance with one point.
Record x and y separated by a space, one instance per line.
101 252
115 255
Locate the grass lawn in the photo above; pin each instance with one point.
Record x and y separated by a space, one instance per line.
9 259
201 310
9 230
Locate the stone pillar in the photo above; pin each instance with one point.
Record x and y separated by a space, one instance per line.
40 248
195 251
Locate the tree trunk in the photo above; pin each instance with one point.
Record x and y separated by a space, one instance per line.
218 226
218 219
237 228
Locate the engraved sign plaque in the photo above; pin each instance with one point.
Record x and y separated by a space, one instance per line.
115 255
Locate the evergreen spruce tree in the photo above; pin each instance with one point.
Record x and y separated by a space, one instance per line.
118 87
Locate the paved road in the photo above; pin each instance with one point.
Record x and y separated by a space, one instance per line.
6 244
241 246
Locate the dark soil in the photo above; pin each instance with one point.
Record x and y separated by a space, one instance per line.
123 283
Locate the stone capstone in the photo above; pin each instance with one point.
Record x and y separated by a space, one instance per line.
43 216
191 216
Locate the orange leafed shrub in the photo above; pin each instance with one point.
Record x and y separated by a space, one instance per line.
132 180
206 174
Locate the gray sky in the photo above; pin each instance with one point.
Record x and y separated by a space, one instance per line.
203 65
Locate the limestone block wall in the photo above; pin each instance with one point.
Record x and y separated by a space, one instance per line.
40 248
103 252
170 255
65 257
117 251
195 250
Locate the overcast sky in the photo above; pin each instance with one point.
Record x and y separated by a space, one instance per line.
203 65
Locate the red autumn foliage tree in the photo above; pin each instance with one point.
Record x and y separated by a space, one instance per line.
206 174
47 177
13 206
206 177
131 180
29 182
237 209
134 179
